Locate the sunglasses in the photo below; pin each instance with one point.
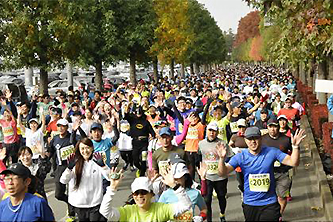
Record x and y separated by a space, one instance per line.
140 192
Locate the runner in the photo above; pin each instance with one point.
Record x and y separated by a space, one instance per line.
144 209
213 180
260 201
21 205
85 181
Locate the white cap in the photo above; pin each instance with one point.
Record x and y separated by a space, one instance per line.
282 117
34 119
241 122
178 170
213 126
141 183
63 122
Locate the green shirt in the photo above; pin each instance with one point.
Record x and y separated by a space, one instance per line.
157 212
222 124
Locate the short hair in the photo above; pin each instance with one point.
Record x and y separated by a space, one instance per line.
181 98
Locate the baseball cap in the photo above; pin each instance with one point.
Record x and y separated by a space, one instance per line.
198 103
141 183
235 104
213 126
175 158
252 132
241 122
273 121
62 122
96 126
17 169
178 170
291 95
165 131
282 117
34 119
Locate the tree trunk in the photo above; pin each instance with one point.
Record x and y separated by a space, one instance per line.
69 70
132 69
191 69
196 68
330 77
182 71
98 76
43 81
28 73
155 66
172 69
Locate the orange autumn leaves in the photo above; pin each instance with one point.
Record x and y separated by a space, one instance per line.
248 33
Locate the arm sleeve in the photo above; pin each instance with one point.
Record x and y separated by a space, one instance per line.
203 189
116 135
66 176
105 171
151 130
33 109
82 133
184 202
106 209
177 113
12 108
204 119
73 138
181 137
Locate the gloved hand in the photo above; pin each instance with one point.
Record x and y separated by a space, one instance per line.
98 159
71 161
197 219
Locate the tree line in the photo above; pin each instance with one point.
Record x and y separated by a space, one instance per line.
47 34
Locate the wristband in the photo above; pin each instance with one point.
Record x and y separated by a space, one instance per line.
176 187
295 147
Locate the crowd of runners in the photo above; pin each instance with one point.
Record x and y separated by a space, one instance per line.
182 137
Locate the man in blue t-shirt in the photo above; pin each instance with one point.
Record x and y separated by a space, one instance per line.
257 164
21 205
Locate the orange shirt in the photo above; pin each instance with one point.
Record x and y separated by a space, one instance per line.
194 135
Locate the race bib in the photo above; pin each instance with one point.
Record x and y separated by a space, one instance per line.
212 167
277 164
187 216
163 165
234 127
290 124
259 182
8 131
66 151
192 133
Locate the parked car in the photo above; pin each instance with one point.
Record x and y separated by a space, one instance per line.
16 86
62 85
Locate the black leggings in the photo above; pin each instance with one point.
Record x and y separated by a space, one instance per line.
220 188
60 189
194 160
89 214
127 157
138 147
240 179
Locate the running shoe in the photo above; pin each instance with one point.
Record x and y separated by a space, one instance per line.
215 194
222 219
71 219
125 167
132 168
137 173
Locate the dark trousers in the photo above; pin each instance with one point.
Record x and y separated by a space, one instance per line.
11 151
138 147
89 214
220 188
240 179
270 212
127 157
60 189
194 160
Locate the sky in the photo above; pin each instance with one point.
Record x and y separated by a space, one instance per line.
227 13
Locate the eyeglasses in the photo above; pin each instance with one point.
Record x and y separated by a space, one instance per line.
140 192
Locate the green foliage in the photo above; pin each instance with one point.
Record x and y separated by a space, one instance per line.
208 44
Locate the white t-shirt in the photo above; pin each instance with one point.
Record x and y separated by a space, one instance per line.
124 142
32 139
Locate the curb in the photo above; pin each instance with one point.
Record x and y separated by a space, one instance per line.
312 152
